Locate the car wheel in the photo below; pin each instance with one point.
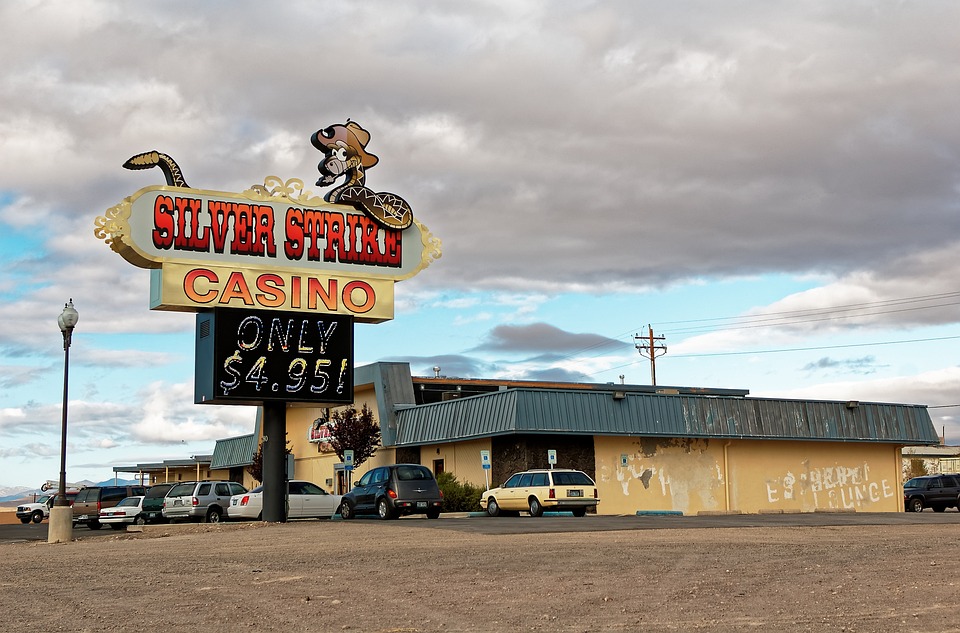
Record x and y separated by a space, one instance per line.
37 516
94 525
140 520
383 509
579 512
493 508
346 512
536 509
915 505
25 520
433 513
213 515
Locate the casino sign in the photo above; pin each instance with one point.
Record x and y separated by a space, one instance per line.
274 246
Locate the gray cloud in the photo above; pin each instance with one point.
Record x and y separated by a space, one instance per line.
537 337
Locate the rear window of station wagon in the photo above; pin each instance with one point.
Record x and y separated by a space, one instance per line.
571 479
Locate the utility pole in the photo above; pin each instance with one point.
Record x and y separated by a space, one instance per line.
648 349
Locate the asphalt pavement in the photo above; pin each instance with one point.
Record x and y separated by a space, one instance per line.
482 524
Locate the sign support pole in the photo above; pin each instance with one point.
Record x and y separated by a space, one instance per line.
274 462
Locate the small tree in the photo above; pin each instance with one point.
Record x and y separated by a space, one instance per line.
256 466
355 430
917 468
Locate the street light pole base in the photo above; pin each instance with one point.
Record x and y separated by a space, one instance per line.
60 529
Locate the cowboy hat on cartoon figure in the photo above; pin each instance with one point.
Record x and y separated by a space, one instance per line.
345 154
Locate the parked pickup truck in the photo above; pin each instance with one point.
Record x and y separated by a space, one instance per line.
39 509
932 491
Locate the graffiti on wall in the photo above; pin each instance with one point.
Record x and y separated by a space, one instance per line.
673 474
837 486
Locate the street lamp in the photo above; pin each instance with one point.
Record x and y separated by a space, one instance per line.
61 515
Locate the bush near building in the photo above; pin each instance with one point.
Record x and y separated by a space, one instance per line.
458 497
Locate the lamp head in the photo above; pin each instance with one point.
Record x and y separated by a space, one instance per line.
68 318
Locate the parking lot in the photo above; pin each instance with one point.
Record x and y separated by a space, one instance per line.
809 572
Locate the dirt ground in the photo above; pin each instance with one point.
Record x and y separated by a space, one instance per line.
404 576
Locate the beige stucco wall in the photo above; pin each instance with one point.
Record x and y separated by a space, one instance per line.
462 459
749 476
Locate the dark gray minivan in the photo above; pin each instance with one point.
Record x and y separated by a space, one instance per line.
392 491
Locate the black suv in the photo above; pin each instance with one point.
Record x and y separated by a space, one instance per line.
932 491
89 502
390 491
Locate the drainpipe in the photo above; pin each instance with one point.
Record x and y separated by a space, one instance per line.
726 476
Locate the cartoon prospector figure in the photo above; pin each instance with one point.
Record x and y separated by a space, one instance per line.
345 154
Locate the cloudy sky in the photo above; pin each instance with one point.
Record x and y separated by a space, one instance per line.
774 187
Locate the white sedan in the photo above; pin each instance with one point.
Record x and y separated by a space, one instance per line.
305 500
128 512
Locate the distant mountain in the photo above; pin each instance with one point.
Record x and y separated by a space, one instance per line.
8 493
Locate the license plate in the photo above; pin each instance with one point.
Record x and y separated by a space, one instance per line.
421 504
574 493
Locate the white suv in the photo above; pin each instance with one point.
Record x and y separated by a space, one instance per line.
537 490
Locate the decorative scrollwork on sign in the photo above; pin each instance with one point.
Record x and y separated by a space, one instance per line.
432 245
113 225
275 187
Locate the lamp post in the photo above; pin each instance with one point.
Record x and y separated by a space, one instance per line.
60 529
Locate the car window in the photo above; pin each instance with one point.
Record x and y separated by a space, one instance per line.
129 501
525 480
312 489
539 479
295 488
257 489
111 494
380 475
914 483
365 480
513 482
413 473
223 490
935 483
157 491
236 489
181 490
203 490
572 479
950 482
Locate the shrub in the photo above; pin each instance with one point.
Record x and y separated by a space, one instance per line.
458 497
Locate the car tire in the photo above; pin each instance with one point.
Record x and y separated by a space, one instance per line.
25 520
433 513
536 510
493 508
140 520
37 516
94 525
383 509
346 512
579 512
915 505
213 516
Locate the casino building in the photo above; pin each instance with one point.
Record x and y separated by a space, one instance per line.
651 449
